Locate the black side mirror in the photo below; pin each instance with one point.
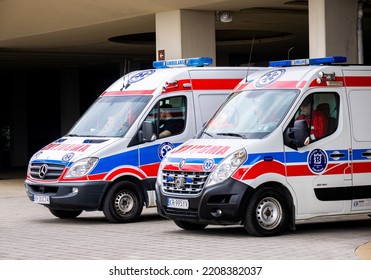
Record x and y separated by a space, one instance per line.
147 133
300 133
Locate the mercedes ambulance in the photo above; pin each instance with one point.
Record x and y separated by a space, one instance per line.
109 160
267 162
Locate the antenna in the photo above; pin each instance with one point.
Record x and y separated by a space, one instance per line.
288 53
126 83
248 65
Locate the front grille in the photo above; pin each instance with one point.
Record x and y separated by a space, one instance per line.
179 182
46 171
181 212
43 189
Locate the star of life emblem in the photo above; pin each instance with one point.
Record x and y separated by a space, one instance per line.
269 78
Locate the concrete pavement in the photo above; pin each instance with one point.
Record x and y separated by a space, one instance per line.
29 232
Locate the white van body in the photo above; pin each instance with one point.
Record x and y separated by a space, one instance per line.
109 159
261 172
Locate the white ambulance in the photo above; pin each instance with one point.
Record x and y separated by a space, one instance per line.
289 144
109 160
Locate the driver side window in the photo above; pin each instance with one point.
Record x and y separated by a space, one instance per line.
320 112
169 116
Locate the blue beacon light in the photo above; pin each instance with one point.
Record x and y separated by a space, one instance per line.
184 62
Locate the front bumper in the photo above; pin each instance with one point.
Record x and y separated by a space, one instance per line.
68 196
222 203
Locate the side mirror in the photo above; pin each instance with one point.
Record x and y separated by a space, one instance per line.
147 133
300 133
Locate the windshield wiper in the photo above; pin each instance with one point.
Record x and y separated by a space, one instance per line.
232 134
208 134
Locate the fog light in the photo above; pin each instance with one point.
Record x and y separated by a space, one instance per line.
216 213
75 190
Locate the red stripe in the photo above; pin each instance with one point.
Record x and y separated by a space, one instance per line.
187 167
278 84
359 81
97 177
151 169
263 167
125 170
314 83
204 84
214 84
361 167
286 84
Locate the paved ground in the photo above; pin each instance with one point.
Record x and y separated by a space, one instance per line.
29 232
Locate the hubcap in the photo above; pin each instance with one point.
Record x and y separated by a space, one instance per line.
124 203
269 213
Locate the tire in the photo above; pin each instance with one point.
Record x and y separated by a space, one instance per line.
65 214
266 213
189 226
123 203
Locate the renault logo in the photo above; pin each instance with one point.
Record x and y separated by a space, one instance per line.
43 171
181 164
179 183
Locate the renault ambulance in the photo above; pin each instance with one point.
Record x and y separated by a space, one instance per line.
290 144
109 160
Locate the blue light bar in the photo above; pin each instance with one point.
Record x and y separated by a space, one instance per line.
310 61
184 62
327 60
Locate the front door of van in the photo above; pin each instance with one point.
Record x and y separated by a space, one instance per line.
173 124
319 173
360 101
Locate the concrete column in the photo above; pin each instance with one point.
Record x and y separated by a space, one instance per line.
184 33
333 28
19 127
70 99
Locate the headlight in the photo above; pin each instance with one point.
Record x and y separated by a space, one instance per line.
81 167
159 172
227 167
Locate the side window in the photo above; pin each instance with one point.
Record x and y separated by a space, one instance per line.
169 116
321 112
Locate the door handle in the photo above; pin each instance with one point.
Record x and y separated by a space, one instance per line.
337 155
367 154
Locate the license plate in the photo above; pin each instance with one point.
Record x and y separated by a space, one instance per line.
41 199
177 203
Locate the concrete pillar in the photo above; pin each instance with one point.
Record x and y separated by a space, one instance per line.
333 28
184 33
19 128
70 99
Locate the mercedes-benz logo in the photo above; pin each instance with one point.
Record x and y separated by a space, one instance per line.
43 171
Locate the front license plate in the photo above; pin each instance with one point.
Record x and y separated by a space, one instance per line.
177 203
41 199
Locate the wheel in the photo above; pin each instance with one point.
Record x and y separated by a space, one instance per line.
266 213
65 214
189 226
123 203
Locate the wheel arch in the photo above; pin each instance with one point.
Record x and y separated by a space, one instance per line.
125 178
284 191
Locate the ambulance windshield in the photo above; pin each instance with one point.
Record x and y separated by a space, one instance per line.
110 116
250 114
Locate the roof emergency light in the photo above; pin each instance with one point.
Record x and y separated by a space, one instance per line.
308 61
184 62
